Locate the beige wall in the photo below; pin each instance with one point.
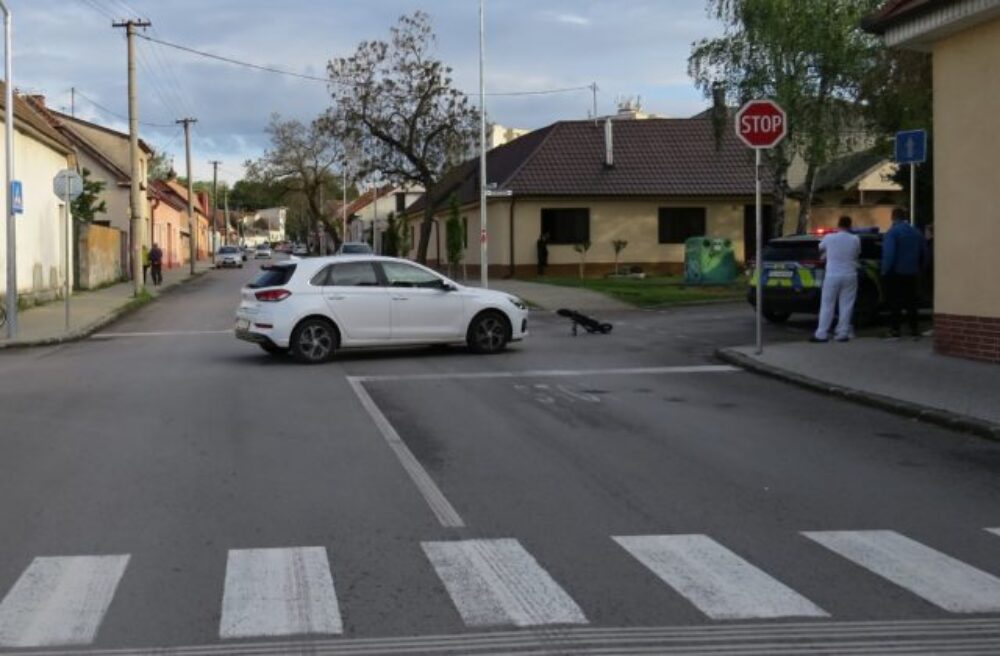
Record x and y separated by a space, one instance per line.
100 253
634 220
967 176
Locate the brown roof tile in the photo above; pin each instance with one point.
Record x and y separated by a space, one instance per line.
27 117
652 157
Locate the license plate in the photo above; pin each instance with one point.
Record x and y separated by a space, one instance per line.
774 273
242 324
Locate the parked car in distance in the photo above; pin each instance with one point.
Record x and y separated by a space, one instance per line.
300 250
247 250
354 248
312 307
229 256
263 252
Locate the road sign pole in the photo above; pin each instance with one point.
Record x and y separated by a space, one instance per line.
69 242
913 194
759 237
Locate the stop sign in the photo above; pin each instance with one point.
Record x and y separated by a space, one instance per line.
761 123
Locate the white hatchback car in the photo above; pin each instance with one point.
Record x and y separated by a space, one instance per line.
312 307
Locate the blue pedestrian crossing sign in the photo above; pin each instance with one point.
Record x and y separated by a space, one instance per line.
17 197
911 146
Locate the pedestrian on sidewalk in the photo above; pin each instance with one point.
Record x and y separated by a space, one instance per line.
904 255
841 251
156 263
542 247
145 262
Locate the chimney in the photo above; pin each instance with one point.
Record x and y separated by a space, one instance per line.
38 99
718 97
609 147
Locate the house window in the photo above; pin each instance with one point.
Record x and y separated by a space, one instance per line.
678 224
400 201
566 225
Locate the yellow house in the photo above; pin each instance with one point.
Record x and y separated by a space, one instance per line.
652 183
964 39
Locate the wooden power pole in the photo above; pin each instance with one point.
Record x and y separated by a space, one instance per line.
135 167
192 224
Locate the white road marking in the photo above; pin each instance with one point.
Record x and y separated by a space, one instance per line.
442 508
936 577
579 396
553 373
994 531
717 581
498 583
60 600
279 592
161 333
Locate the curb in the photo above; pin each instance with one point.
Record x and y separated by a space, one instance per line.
114 315
945 418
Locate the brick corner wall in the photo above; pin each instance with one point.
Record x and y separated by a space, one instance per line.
965 336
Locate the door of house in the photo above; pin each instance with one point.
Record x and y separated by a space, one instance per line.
750 228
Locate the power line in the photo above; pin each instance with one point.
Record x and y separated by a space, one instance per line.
326 80
116 114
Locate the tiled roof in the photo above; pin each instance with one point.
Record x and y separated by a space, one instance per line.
652 157
29 118
848 169
894 11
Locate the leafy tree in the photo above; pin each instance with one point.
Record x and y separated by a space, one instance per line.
396 242
159 167
454 235
89 204
396 103
809 56
300 161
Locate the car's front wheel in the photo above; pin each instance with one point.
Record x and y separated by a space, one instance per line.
776 316
489 332
313 341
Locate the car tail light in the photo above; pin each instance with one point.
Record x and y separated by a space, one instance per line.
272 295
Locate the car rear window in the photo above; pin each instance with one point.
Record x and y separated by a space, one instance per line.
228 249
273 276
791 250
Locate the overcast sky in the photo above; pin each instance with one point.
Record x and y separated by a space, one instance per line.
629 47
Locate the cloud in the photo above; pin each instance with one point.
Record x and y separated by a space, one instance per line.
572 19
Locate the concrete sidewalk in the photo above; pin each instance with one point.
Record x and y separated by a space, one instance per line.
554 297
904 376
89 311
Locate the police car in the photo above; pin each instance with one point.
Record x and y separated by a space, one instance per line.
793 277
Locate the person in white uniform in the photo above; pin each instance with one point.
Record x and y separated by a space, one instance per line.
841 250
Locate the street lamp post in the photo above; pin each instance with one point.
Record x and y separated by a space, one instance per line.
483 234
11 298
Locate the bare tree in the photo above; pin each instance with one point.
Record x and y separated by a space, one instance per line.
301 160
396 103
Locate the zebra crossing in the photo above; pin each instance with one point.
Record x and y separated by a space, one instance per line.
496 583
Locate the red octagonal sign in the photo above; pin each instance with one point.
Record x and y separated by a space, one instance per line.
761 123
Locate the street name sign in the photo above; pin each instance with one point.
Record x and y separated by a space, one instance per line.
911 147
761 124
67 185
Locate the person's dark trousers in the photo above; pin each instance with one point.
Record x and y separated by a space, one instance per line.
145 270
902 295
157 274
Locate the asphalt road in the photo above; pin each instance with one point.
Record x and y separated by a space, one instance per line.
164 485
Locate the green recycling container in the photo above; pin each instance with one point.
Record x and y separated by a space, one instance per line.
709 261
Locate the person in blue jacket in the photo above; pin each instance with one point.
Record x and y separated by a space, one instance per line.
904 255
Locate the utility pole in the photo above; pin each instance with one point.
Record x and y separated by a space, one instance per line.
225 202
8 126
72 102
186 122
593 91
343 208
135 166
215 190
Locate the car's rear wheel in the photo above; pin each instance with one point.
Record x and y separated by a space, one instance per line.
314 341
489 332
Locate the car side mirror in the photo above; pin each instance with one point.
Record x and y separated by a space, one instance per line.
447 286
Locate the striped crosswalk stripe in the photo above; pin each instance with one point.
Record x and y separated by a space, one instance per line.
936 577
717 581
60 600
498 583
279 592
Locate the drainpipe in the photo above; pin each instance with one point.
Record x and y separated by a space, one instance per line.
513 268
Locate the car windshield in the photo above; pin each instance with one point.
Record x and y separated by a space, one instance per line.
228 250
356 248
273 276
